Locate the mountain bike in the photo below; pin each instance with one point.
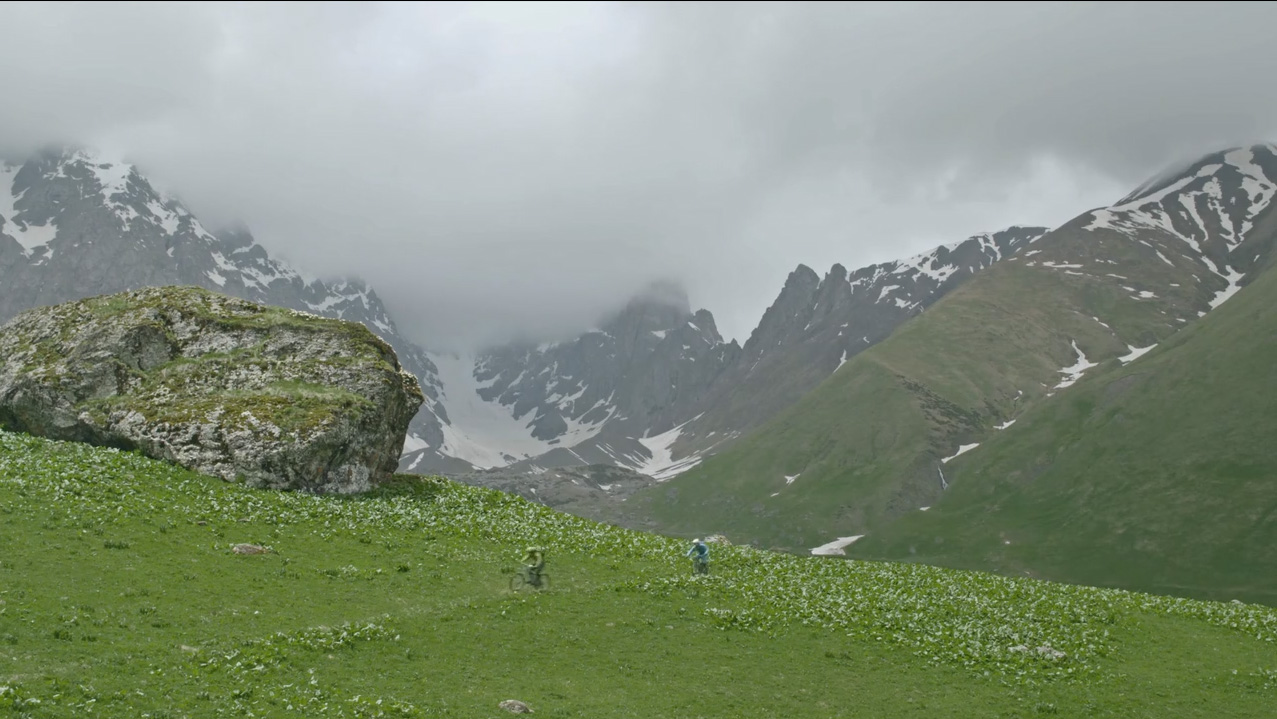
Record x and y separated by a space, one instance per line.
525 579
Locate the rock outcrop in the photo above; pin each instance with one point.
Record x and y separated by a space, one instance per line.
74 224
268 396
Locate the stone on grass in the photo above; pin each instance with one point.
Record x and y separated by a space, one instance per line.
262 395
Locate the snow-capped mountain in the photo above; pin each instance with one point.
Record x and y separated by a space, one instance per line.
73 225
1057 335
1181 244
591 400
852 311
655 388
1176 248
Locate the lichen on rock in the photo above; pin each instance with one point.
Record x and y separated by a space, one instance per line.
268 396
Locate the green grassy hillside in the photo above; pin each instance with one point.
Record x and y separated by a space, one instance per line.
120 596
1159 475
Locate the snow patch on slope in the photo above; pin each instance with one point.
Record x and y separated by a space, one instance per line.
1135 353
1074 372
482 433
413 443
886 291
841 361
661 465
112 177
836 547
962 449
29 236
1234 283
1256 185
168 220
925 263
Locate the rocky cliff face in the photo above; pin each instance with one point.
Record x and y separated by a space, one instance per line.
268 396
591 400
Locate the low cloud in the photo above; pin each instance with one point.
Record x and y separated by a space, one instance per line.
513 169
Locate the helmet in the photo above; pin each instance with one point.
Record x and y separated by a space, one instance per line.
530 550
697 541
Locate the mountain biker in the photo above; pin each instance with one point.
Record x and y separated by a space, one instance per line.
534 558
700 556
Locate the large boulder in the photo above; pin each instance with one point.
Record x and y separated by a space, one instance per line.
267 396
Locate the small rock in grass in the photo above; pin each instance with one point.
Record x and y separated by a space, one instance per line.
514 706
1050 653
249 549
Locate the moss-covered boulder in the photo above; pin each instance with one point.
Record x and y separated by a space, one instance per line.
268 396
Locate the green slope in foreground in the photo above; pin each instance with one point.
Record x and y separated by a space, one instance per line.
120 597
1159 475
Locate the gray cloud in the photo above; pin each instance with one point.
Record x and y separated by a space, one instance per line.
512 169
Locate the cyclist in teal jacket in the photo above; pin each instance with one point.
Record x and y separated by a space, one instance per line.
700 556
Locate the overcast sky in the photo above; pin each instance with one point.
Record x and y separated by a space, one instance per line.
522 168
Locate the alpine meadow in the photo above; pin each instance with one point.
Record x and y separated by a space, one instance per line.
638 360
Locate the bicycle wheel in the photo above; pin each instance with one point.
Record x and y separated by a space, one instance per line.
517 582
545 581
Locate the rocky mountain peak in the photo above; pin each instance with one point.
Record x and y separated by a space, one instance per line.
795 298
801 277
703 321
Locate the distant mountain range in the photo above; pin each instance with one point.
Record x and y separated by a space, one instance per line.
1095 408
654 388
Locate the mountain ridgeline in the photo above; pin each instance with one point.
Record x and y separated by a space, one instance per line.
815 325
656 389
926 424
